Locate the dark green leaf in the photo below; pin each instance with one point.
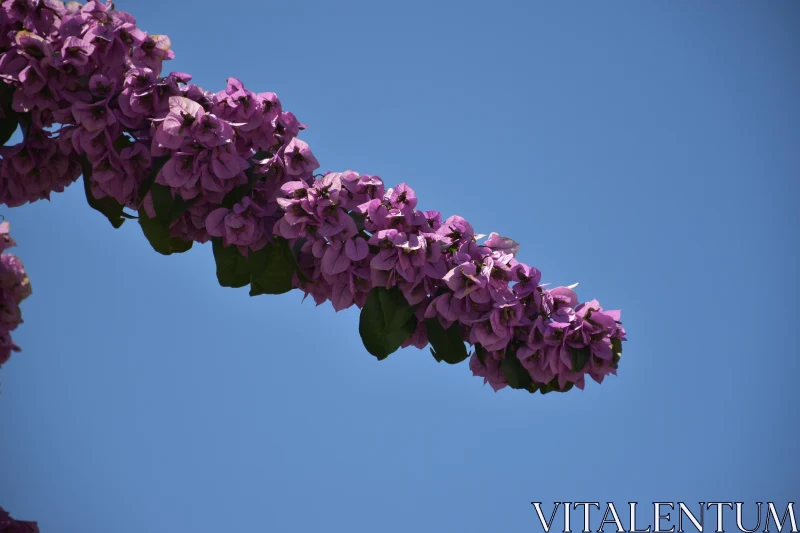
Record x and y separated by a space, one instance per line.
11 119
107 205
8 126
295 253
395 308
25 123
268 271
480 351
553 387
276 275
386 321
616 348
516 375
359 219
291 255
6 94
122 142
158 163
158 236
168 208
236 195
298 246
252 177
580 356
532 388
257 261
447 345
262 154
549 387
180 206
162 202
233 269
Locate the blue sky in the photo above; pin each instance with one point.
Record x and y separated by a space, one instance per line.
647 150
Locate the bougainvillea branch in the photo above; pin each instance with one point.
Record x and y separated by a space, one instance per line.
84 85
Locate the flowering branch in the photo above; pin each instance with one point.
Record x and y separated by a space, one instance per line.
86 85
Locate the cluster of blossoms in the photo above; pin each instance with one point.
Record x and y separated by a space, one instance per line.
91 71
244 178
358 235
14 287
9 525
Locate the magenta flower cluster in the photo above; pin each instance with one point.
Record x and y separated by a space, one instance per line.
441 268
91 71
14 288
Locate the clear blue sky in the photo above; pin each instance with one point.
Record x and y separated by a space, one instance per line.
648 150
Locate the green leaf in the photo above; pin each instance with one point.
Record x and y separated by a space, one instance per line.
616 346
298 246
533 388
122 142
257 261
291 255
386 321
276 275
616 349
8 126
294 252
108 206
233 269
516 375
25 123
162 202
158 236
236 195
268 271
6 92
168 208
180 206
447 345
580 356
480 351
549 387
359 219
158 163
553 387
262 154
